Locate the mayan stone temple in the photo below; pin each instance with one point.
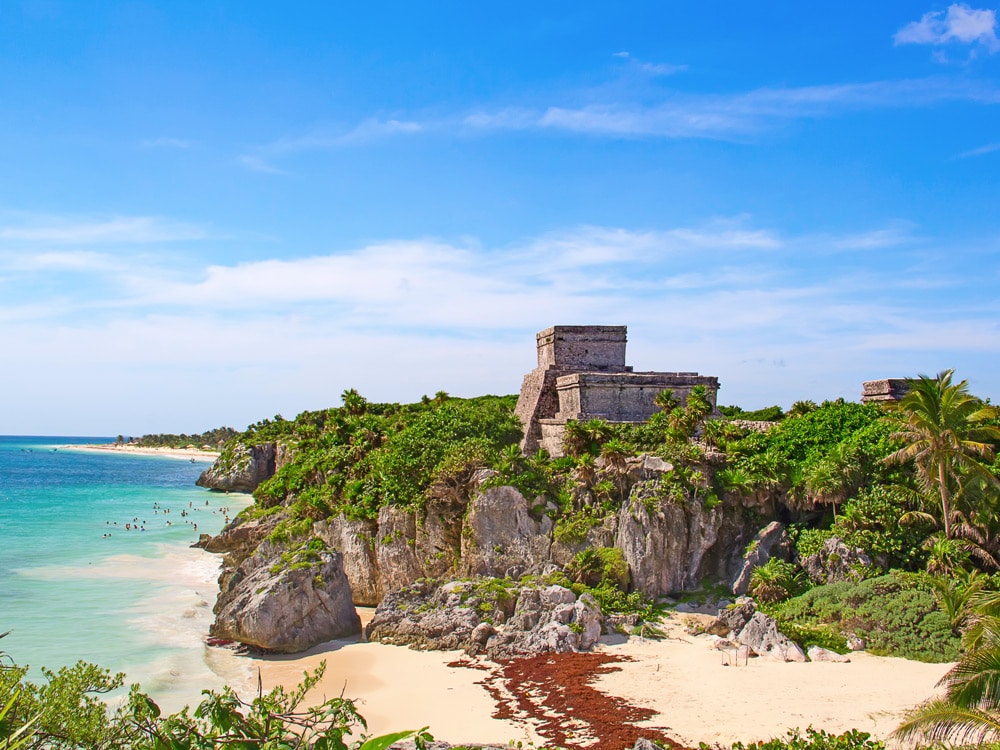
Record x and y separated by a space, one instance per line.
582 375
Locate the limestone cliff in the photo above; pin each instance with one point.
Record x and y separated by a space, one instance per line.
670 545
241 468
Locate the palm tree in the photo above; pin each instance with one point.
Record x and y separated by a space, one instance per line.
835 477
945 432
969 711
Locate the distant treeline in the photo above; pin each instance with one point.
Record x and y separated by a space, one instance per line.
213 439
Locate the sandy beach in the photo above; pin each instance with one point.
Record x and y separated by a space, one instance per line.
186 453
682 678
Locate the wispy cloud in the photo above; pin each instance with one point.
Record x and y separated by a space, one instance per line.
367 131
959 24
989 148
39 228
165 142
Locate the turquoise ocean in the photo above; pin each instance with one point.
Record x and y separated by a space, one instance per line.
75 583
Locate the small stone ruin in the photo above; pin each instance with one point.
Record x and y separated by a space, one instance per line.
887 389
582 375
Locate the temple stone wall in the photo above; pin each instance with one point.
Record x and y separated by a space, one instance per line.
887 389
582 375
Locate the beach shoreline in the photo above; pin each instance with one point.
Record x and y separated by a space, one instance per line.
681 678
136 450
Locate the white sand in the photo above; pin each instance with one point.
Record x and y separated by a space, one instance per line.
682 678
187 453
701 700
398 688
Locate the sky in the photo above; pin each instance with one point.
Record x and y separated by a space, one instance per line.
213 212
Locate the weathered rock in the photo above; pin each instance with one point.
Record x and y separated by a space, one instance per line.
241 470
548 620
458 616
241 537
280 607
762 637
664 542
396 548
835 562
733 619
771 541
355 540
856 644
816 653
500 538
427 617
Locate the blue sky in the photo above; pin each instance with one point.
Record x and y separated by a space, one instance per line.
212 212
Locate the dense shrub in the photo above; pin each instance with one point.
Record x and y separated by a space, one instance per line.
895 614
814 739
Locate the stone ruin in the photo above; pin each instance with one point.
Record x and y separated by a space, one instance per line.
887 389
582 375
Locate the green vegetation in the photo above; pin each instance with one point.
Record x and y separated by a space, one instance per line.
814 739
66 712
896 615
208 440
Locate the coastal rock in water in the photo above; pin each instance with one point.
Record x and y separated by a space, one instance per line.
835 562
241 469
762 637
287 603
500 538
771 541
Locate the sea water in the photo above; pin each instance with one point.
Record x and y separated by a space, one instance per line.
96 564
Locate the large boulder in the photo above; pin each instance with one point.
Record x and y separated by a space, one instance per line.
241 469
762 637
429 617
835 561
771 541
733 619
486 616
286 601
547 620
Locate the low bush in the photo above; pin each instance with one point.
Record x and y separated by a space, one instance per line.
896 614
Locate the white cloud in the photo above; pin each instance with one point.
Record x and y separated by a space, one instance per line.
459 316
959 24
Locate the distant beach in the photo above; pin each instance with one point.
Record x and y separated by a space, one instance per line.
188 453
695 696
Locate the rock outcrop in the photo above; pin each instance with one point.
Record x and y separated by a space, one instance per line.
771 541
286 601
481 618
835 562
762 637
670 544
242 469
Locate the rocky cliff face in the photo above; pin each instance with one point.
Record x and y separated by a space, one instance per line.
670 546
243 469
